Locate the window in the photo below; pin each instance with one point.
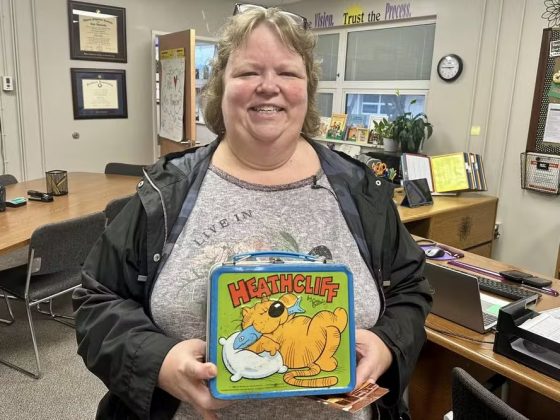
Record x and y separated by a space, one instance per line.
203 54
383 105
375 71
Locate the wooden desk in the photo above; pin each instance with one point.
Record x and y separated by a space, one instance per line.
87 193
534 394
465 221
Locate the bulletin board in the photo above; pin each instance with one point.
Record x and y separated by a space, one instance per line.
540 163
544 127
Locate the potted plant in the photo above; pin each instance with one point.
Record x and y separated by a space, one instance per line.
384 130
412 130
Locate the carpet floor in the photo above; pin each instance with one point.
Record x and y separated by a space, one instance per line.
67 389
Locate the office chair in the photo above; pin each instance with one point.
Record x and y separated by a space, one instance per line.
14 258
7 179
56 254
118 168
472 401
114 207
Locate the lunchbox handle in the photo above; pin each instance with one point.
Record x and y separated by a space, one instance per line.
277 255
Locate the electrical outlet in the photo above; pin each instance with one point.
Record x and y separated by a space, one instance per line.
497 230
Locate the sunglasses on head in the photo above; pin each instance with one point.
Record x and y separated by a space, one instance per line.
241 8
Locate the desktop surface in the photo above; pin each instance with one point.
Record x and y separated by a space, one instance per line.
87 193
450 344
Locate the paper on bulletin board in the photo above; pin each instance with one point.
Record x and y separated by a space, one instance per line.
172 93
552 126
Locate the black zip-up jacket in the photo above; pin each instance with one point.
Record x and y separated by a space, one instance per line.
117 337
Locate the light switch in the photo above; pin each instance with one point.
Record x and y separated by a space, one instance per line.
7 83
475 130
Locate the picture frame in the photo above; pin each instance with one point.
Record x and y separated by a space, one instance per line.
97 32
99 93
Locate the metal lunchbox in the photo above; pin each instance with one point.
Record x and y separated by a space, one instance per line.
280 324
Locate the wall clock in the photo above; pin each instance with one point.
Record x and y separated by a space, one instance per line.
450 67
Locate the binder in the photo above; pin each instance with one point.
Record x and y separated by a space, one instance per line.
280 324
509 332
452 172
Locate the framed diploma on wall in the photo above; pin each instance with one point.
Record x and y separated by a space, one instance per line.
98 93
97 32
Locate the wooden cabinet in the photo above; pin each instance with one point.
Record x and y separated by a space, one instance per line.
464 222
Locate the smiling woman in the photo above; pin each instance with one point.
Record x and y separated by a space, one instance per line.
262 185
264 106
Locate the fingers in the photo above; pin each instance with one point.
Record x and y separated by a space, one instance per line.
374 357
364 371
200 371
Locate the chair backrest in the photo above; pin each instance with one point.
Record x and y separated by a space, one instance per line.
472 401
114 207
7 179
118 168
64 246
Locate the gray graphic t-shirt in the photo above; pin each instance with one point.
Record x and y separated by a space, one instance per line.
230 217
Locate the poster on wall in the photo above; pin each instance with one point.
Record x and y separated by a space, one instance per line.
97 32
172 88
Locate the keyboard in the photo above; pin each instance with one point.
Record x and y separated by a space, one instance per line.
505 290
489 319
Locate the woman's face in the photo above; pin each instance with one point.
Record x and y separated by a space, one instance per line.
265 90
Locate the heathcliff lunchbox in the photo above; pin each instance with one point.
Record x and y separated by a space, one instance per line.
280 324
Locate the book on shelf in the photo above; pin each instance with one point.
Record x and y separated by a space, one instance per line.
362 135
337 128
357 120
452 172
324 125
373 118
351 133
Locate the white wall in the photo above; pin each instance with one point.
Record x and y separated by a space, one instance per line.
45 95
499 41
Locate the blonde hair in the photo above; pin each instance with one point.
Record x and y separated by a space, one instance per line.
233 36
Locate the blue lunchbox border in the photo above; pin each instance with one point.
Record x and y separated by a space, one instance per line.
212 347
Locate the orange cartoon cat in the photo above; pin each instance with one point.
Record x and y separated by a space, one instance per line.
307 344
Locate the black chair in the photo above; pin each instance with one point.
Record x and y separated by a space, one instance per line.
118 168
56 254
7 179
114 207
471 400
19 256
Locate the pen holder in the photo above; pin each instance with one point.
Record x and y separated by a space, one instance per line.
57 182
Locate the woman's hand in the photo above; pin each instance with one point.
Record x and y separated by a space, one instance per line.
374 357
183 375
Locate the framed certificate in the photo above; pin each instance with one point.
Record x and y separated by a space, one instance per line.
97 32
99 93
